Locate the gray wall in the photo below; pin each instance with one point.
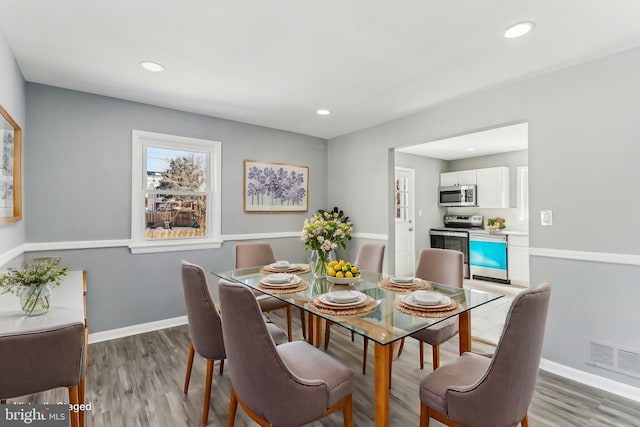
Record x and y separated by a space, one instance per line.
427 182
78 177
512 160
583 154
12 99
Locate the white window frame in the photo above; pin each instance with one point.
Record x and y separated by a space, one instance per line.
139 242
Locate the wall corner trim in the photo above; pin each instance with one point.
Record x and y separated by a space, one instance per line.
11 254
591 380
606 257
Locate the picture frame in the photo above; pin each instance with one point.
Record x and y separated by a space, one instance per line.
275 187
10 169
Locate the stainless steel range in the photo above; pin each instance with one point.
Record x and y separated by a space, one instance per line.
455 235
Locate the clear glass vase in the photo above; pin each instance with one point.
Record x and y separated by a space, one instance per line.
318 262
35 300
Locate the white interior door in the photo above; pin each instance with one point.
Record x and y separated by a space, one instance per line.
404 213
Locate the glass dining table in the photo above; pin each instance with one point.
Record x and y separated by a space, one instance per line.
385 324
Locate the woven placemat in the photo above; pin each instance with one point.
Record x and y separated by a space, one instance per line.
419 284
302 268
366 306
428 312
303 285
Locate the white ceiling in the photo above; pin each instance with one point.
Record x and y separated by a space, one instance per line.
484 143
273 63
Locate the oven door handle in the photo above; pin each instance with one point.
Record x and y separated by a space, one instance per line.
450 234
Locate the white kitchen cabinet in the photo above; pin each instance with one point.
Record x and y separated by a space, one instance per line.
493 187
449 179
518 259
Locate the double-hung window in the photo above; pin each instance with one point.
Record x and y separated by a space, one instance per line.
175 193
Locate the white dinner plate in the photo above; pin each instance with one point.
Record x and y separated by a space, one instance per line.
412 302
344 296
294 281
289 267
326 299
279 278
402 280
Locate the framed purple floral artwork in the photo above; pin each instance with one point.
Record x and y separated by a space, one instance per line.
275 187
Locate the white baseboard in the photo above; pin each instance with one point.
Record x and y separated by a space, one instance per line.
136 329
591 380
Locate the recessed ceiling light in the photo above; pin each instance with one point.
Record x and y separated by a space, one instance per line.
519 29
323 112
152 66
471 149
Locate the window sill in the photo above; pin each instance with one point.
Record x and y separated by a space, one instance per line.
173 246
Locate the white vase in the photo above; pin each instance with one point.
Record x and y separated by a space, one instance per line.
35 300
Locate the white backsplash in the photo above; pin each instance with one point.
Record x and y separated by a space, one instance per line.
513 221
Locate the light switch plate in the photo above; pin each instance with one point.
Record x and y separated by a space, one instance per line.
546 218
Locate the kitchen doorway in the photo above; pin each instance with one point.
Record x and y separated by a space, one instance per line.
405 241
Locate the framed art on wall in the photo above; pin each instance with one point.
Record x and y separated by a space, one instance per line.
10 163
275 187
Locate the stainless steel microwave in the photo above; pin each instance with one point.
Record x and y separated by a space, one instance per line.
459 195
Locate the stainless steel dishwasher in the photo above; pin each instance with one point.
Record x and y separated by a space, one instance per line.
488 257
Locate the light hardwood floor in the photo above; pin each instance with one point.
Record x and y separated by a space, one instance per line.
137 381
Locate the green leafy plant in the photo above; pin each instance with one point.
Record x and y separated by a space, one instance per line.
496 223
30 283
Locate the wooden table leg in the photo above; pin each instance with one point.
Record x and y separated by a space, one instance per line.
314 330
464 331
317 329
382 366
310 331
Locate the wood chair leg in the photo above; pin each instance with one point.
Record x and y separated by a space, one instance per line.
233 407
348 412
435 350
353 336
289 323
424 415
525 421
364 356
81 400
207 392
304 324
421 345
73 400
327 329
221 367
187 378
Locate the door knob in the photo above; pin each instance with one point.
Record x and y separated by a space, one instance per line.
410 228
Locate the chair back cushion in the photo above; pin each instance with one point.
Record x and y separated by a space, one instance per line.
370 257
502 396
254 254
441 265
42 360
259 376
205 325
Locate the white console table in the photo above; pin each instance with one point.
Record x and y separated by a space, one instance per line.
67 306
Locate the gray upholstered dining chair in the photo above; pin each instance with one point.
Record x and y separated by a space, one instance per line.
447 267
495 391
370 258
287 385
257 254
42 360
205 328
